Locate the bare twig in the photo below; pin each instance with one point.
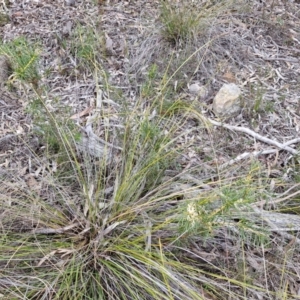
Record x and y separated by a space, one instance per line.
246 155
256 153
291 142
256 136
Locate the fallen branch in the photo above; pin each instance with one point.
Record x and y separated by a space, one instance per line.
257 136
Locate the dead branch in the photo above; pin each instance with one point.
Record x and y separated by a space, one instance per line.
256 136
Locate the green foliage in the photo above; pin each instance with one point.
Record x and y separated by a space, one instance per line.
47 126
84 46
58 133
23 57
149 88
169 108
211 211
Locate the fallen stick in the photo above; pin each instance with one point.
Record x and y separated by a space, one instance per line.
246 155
257 136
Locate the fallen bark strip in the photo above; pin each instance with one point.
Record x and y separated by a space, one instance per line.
95 146
256 136
279 221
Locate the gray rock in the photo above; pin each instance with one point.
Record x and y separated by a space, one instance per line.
227 101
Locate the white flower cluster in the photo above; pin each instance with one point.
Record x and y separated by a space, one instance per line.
192 213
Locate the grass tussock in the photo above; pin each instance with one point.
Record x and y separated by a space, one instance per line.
115 227
108 236
112 226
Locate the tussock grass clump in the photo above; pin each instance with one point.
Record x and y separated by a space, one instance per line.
104 232
186 21
115 227
181 21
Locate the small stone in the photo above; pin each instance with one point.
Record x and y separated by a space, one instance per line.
227 101
197 90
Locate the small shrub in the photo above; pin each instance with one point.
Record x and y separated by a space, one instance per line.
23 57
